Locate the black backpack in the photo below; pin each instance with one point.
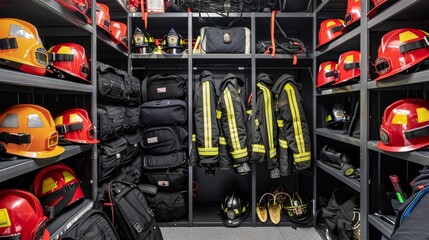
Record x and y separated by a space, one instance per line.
163 86
130 212
92 225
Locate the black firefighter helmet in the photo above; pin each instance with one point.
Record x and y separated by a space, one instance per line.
142 42
173 43
297 208
234 209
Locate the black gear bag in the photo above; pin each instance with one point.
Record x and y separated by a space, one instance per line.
92 225
165 161
163 112
171 180
165 139
110 121
111 157
168 206
131 213
131 118
110 84
163 86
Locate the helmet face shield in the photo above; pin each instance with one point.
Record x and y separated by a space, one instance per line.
382 66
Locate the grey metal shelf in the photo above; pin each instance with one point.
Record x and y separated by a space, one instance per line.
157 56
285 56
383 227
419 157
353 183
345 42
14 168
331 5
65 220
337 135
221 56
285 15
406 79
160 15
214 15
116 5
393 10
108 45
23 79
337 90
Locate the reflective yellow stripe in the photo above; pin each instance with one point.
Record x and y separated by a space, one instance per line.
283 143
258 148
280 123
256 122
302 157
218 114
249 112
268 114
273 153
207 115
233 131
194 137
208 151
296 118
222 140
240 153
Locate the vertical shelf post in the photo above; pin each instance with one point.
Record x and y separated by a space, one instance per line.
253 84
190 120
94 100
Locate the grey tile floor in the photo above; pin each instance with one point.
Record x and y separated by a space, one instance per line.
241 233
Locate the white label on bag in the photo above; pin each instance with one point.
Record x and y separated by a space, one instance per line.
163 183
118 155
152 140
328 91
161 90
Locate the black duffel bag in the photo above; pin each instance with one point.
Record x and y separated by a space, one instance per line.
132 214
132 89
133 170
168 206
133 145
164 139
111 157
171 180
110 121
165 161
92 225
163 86
131 119
110 84
163 112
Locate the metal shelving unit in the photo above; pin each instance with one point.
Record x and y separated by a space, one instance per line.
337 135
398 7
348 41
419 157
351 182
337 90
402 80
382 226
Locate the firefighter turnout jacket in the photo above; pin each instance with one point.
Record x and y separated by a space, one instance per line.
264 141
206 130
294 136
232 118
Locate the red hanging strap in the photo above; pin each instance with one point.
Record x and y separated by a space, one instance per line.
273 41
144 13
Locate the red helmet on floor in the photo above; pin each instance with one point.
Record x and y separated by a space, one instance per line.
348 67
68 58
79 7
353 12
400 50
119 33
326 74
103 16
329 30
405 126
76 126
56 187
377 4
21 216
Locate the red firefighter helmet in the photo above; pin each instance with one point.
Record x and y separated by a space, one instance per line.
79 7
57 187
405 126
119 33
400 50
21 48
75 126
103 17
21 216
133 5
353 12
348 67
377 5
329 30
69 59
326 74
28 130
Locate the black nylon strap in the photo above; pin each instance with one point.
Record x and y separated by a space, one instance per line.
14 237
19 138
337 28
330 74
8 43
69 128
417 133
67 192
60 57
354 65
406 47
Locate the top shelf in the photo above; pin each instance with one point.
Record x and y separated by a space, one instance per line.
346 42
116 5
401 10
331 5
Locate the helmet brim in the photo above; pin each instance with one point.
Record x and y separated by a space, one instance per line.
413 147
46 235
408 66
25 66
41 154
70 73
318 47
235 222
343 81
88 141
326 84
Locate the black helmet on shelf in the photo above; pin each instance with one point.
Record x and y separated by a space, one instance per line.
296 208
142 42
173 43
234 209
